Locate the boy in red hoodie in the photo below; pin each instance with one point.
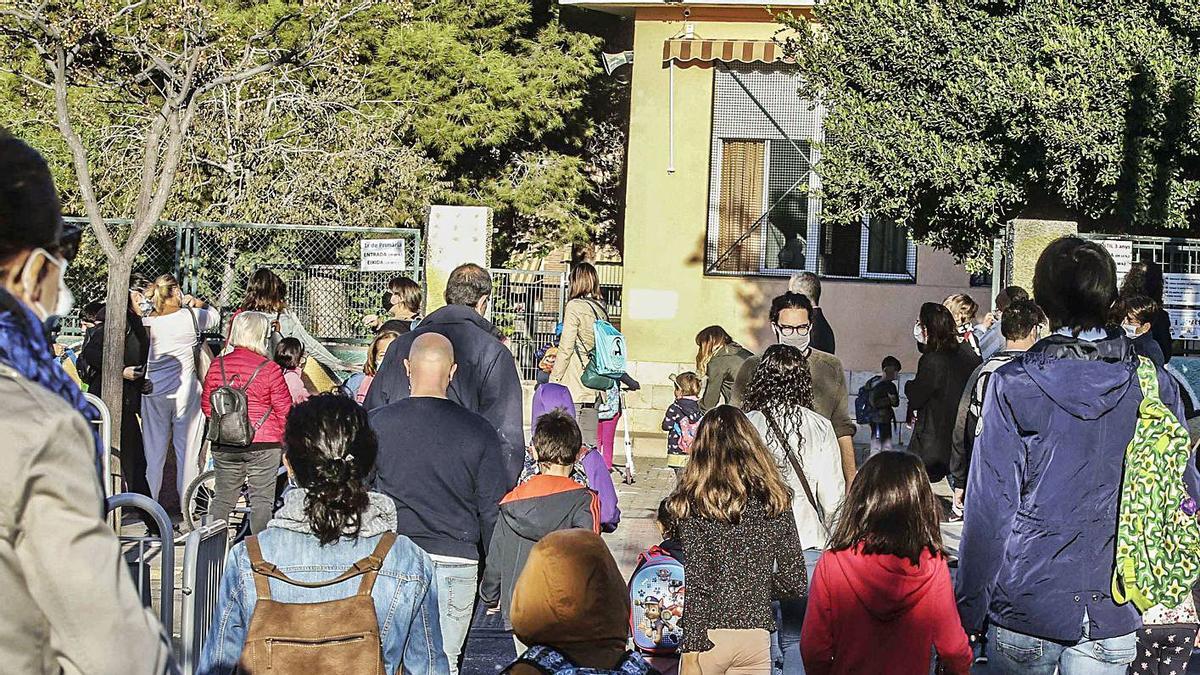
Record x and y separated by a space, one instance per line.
881 597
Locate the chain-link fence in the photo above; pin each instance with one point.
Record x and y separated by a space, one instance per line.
526 307
333 280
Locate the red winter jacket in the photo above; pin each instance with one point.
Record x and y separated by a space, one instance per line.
880 614
268 391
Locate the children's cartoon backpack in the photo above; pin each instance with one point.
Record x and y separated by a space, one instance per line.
550 661
863 410
687 433
1158 538
608 355
656 593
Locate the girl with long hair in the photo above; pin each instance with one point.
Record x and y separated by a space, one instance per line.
331 522
881 598
778 402
935 392
719 358
732 510
171 414
267 293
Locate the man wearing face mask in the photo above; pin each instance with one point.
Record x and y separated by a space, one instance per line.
68 598
791 319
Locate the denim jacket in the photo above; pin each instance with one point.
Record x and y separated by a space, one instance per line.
404 593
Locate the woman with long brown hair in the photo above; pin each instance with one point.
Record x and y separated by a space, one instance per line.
267 293
720 359
778 402
732 511
881 599
577 344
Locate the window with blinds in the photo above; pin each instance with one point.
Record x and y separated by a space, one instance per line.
764 204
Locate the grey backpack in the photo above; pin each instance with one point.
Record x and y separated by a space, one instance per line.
230 422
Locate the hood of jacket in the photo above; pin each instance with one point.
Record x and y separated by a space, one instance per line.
1086 379
526 510
886 585
571 595
459 314
379 517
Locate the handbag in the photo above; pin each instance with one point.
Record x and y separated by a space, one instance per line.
202 355
275 337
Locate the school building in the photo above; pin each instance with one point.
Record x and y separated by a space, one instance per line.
719 210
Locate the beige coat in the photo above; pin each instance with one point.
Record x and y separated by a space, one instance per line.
576 345
69 603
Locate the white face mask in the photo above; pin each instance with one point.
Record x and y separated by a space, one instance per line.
66 299
796 340
1130 331
918 333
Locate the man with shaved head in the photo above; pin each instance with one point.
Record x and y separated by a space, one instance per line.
443 467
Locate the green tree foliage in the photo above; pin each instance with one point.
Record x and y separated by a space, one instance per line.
954 116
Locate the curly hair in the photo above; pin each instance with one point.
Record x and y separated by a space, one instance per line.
780 386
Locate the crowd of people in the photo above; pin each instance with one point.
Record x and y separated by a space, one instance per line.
414 494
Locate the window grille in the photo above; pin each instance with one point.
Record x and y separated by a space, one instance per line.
764 212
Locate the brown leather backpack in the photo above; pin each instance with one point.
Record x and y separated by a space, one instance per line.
335 636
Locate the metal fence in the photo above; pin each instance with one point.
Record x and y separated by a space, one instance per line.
327 287
203 564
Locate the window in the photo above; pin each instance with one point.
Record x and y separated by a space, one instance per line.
764 215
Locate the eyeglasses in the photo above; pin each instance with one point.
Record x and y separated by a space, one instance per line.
802 329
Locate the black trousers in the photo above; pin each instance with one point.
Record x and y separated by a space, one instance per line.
1164 649
133 453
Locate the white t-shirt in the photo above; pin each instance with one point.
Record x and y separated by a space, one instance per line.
821 459
172 345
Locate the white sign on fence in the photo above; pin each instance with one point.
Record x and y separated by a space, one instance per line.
382 255
1181 289
1185 323
1122 252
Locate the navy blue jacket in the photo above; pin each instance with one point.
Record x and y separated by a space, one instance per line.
486 381
1040 525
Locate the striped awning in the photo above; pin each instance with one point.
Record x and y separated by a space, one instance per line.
742 51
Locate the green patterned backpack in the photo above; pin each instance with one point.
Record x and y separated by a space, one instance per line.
1158 543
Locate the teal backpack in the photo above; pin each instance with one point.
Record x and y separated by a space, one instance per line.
606 363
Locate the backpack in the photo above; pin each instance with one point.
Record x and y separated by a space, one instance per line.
656 593
607 361
1158 542
550 661
334 636
863 409
230 423
687 433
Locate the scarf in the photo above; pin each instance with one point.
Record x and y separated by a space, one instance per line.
25 348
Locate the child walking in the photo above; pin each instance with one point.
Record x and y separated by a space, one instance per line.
881 596
741 551
290 357
884 399
657 590
682 419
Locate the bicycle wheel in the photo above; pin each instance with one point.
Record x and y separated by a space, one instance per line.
200 495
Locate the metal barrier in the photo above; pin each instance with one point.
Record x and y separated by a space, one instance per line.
142 550
526 306
104 425
204 552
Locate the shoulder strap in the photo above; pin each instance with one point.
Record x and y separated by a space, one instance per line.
261 585
195 327
380 554
255 374
787 451
545 659
1148 377
368 565
221 365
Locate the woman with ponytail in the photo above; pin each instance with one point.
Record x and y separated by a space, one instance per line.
328 522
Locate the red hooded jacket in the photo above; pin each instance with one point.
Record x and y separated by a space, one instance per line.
881 614
268 391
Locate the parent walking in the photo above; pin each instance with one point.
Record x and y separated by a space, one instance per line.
934 394
69 605
485 381
720 359
171 414
267 405
577 344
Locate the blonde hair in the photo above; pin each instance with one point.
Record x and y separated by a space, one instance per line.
249 331
162 291
729 466
688 383
585 282
962 307
709 341
377 349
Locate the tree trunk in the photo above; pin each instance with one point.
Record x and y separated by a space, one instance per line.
228 276
116 302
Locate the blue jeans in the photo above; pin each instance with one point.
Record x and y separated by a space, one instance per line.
1013 652
785 648
457 586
